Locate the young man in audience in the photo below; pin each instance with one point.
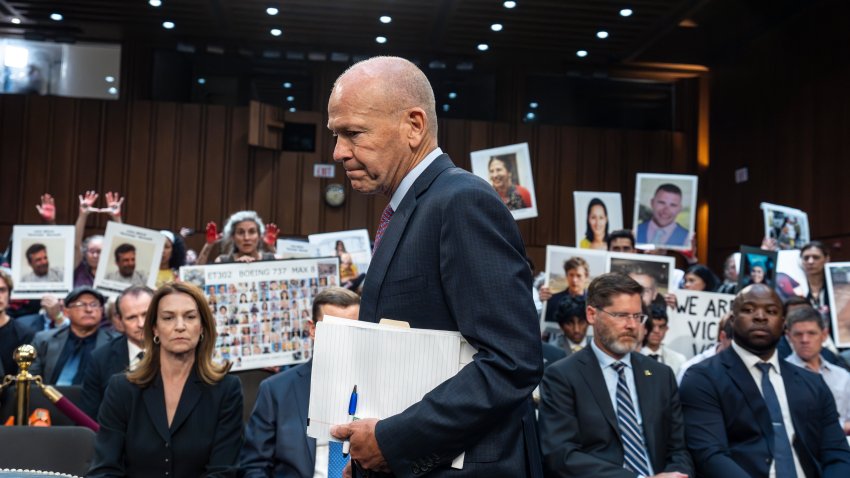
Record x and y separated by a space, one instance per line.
605 411
653 347
576 272
621 240
276 443
748 413
122 353
572 319
806 332
64 353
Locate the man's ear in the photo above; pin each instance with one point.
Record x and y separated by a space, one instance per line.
417 123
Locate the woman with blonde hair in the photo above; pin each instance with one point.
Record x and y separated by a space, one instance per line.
178 414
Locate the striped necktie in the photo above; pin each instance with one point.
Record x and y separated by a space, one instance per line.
382 226
634 450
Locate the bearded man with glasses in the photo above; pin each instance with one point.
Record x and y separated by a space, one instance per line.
64 353
608 412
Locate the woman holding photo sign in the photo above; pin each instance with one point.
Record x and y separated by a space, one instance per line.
245 239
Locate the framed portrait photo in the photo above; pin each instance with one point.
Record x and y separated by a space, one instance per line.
597 214
508 170
838 288
789 227
655 273
565 275
131 256
42 261
352 247
758 266
665 211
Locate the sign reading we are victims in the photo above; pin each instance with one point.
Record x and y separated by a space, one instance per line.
693 323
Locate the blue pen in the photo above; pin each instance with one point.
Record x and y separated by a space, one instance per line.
352 409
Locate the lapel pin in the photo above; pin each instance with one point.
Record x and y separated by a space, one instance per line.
647 373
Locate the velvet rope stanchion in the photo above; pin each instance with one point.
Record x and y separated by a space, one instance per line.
67 407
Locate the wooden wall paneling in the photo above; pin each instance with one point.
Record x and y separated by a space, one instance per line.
261 190
214 170
239 160
545 152
187 182
161 198
567 163
311 197
138 171
63 165
37 154
13 116
286 194
82 166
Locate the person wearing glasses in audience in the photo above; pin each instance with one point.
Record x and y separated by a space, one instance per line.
64 353
608 412
177 414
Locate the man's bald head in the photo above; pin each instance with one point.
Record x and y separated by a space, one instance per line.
392 83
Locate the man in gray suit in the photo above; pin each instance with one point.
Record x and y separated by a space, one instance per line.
582 431
64 353
276 441
448 256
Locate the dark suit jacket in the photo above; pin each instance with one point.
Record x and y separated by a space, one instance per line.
105 362
728 425
135 439
452 259
48 346
24 331
553 303
276 441
552 354
579 434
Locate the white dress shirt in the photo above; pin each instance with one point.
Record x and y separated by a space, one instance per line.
750 361
133 354
407 182
838 381
709 352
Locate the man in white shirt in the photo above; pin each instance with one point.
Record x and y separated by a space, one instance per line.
122 353
653 347
806 332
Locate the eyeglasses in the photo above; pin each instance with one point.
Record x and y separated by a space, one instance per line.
80 305
623 316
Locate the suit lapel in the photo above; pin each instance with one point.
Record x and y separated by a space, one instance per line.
392 236
54 350
743 379
188 399
302 401
592 373
154 398
121 355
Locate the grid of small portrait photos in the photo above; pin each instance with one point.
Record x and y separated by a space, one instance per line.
263 310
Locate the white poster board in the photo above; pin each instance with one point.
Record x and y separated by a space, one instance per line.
131 256
597 214
508 170
665 211
693 323
263 309
42 261
789 227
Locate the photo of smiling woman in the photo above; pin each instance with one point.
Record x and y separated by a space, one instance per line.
177 414
508 170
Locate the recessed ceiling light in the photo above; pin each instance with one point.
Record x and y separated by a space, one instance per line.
287 84
385 19
509 4
290 98
602 34
155 3
496 27
626 12
113 90
381 39
452 95
483 47
57 17
292 110
276 32
581 53
16 21
272 11
446 107
109 79
168 25
202 81
530 116
533 105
